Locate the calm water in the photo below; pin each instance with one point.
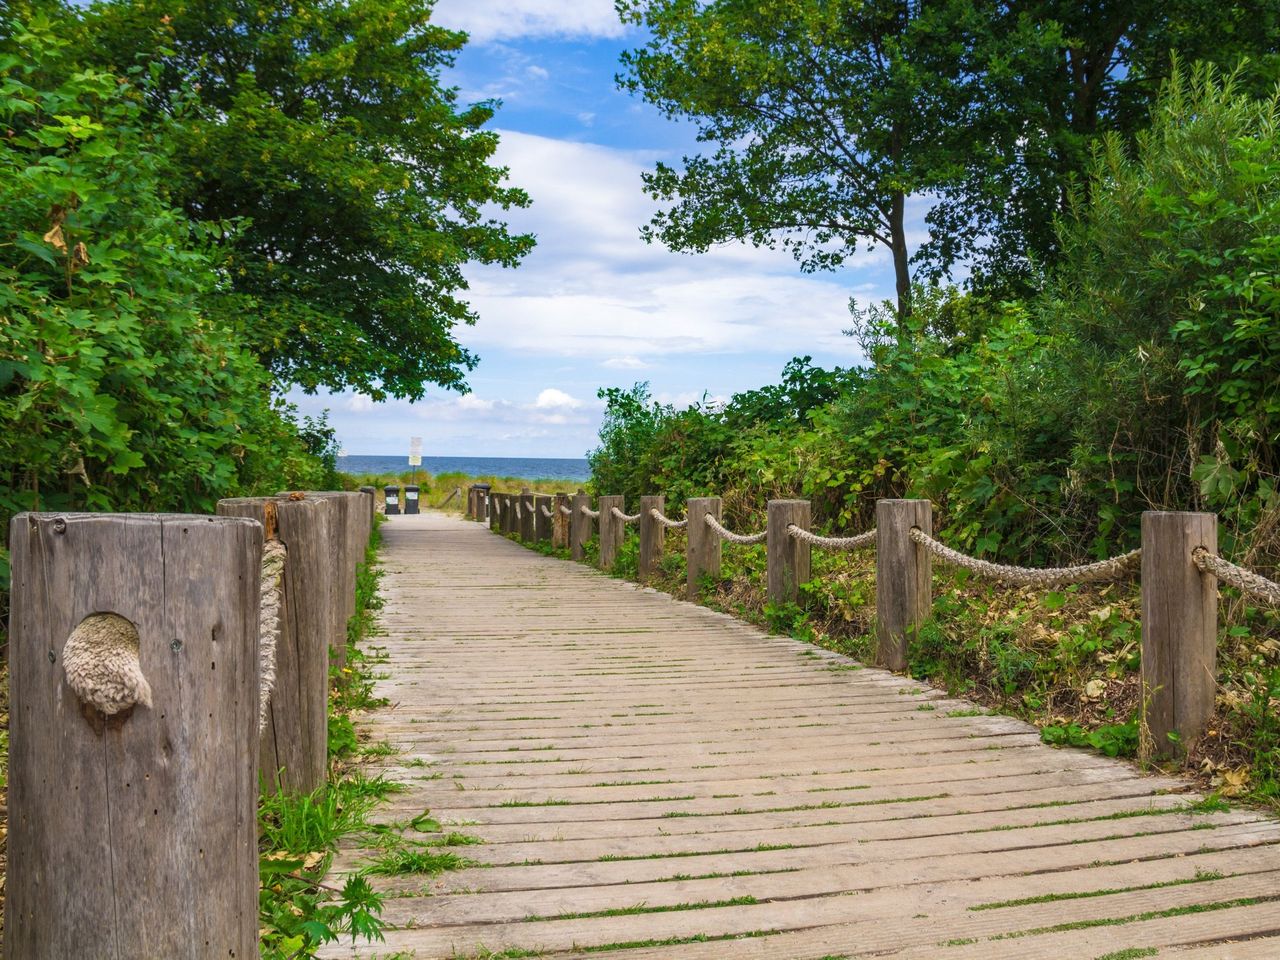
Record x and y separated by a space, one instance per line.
526 468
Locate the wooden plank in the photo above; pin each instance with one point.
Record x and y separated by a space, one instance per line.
118 825
652 535
704 547
612 530
788 558
904 578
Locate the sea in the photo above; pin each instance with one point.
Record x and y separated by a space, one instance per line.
522 468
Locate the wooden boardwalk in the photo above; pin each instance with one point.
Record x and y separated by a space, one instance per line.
654 780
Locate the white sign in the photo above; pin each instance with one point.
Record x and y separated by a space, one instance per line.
392 499
411 494
415 460
415 446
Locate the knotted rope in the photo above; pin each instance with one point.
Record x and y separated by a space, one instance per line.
667 521
565 510
545 512
1122 567
593 514
624 517
732 537
832 543
100 662
1246 581
271 586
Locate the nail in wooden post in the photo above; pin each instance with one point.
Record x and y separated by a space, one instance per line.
904 578
612 531
541 522
560 523
788 558
579 525
528 522
1179 629
652 534
703 556
134 834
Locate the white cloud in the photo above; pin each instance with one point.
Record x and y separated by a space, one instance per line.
553 399
359 403
537 72
625 363
586 118
488 20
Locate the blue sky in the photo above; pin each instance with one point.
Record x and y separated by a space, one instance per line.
594 305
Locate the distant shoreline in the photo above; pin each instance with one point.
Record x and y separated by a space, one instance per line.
529 468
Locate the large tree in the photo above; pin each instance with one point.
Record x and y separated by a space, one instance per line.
360 185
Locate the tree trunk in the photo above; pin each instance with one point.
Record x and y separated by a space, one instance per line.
901 259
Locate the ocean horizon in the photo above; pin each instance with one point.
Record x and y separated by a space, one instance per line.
524 468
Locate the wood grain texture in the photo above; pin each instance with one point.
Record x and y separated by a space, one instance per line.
580 525
349 532
652 535
904 578
495 512
528 519
704 546
1179 629
135 838
612 530
652 780
542 523
788 558
559 522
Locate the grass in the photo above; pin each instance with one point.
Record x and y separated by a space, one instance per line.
1200 877
641 908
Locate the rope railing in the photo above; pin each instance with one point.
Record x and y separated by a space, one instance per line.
832 543
742 538
1246 581
624 517
271 587
542 507
565 510
587 511
667 521
1123 567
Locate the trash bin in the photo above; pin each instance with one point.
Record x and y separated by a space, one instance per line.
393 500
411 499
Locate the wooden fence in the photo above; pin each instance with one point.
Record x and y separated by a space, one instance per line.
1179 598
139 729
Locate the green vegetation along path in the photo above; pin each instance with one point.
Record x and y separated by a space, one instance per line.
650 779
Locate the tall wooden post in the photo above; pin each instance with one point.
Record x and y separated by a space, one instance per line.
133 833
612 530
788 558
542 522
510 523
1179 629
904 578
495 512
652 534
293 748
703 556
579 525
560 522
528 522
349 539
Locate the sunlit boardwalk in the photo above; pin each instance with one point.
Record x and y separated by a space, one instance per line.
652 779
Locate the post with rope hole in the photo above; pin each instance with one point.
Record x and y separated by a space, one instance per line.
293 743
560 522
349 532
788 557
1179 630
703 553
612 530
509 513
528 522
904 578
495 512
579 525
133 737
542 518
652 535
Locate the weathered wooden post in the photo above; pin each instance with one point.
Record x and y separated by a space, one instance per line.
703 556
904 578
293 747
652 534
1179 629
511 514
579 525
528 520
560 522
134 737
788 558
482 502
373 503
612 530
349 539
495 512
542 523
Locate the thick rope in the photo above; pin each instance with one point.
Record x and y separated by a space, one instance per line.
545 512
1246 581
832 543
732 537
624 517
667 521
593 514
1122 567
271 586
100 661
565 510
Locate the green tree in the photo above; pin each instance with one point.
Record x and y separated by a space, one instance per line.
362 186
